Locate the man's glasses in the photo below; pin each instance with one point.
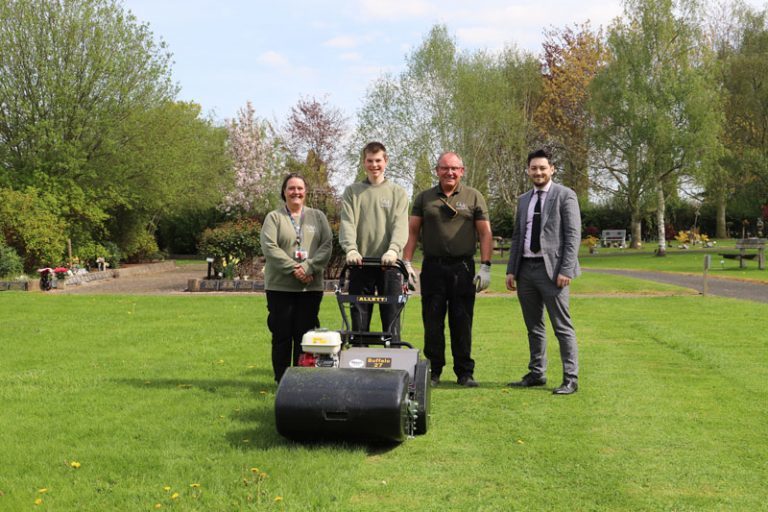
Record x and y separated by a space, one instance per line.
442 168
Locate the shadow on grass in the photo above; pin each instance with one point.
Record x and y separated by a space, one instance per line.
266 436
486 384
208 385
263 434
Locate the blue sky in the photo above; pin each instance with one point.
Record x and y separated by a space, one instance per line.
273 53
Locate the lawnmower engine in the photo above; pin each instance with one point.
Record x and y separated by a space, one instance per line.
372 393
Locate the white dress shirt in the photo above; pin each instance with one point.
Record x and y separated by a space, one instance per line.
529 220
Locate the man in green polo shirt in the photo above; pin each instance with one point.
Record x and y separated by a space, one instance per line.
450 218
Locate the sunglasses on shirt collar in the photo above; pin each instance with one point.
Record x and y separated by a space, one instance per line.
448 209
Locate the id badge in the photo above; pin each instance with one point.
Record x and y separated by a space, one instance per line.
300 255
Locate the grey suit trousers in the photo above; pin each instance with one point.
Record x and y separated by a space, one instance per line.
536 291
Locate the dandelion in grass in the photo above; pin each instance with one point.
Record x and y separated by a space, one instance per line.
43 490
278 499
74 464
166 488
255 470
263 392
38 501
194 486
175 496
158 505
520 441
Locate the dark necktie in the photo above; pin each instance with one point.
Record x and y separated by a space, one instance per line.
536 226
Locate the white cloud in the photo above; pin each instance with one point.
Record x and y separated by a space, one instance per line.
351 56
272 58
342 42
396 10
483 36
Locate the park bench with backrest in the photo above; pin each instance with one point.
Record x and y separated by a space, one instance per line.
613 237
745 244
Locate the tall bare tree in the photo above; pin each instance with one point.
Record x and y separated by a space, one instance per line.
313 134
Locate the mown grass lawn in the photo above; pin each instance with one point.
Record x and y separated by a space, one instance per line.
167 401
677 260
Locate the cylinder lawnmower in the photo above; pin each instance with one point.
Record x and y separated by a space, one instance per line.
356 385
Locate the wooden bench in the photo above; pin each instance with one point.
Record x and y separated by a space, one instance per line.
613 237
748 244
501 244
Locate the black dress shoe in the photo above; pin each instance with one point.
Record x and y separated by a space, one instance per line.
568 387
528 381
467 381
435 380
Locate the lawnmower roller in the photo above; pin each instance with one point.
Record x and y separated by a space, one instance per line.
356 385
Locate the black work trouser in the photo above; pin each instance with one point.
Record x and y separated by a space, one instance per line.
447 287
370 280
291 314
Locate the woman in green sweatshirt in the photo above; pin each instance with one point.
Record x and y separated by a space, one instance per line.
297 243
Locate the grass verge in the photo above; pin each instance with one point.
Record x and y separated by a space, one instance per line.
169 401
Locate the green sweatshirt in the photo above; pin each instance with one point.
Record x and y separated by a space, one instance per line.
374 218
278 242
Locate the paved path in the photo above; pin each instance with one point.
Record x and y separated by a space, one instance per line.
151 283
175 282
735 289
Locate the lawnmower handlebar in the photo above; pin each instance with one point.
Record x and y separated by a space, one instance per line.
369 261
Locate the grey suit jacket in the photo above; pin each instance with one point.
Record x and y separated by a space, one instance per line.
560 232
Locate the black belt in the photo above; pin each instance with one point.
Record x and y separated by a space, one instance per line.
448 260
537 259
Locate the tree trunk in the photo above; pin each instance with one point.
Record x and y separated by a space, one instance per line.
636 226
660 227
722 227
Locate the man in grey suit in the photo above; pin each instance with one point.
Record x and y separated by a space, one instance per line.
542 261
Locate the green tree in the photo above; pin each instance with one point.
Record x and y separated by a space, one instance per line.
173 160
653 106
78 81
423 175
480 105
744 77
493 119
410 112
30 225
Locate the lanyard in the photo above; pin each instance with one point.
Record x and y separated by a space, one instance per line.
296 227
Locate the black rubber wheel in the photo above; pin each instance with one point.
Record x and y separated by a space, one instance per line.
422 395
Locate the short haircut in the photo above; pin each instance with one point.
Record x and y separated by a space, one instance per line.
446 153
374 147
290 177
540 153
